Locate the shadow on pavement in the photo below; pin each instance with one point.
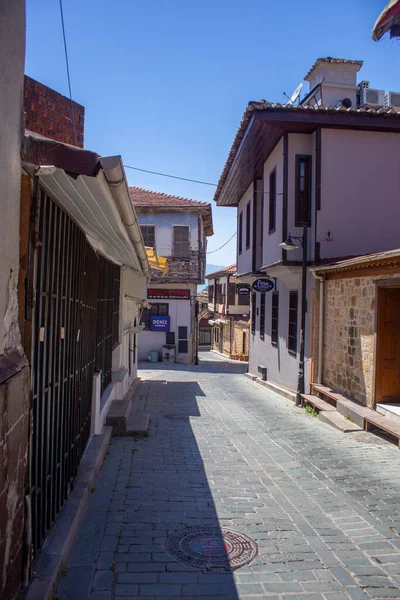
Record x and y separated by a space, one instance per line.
149 491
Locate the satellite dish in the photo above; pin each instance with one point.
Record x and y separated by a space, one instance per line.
296 93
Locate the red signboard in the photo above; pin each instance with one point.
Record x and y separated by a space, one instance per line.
162 294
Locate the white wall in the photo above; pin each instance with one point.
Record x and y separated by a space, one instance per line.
181 313
12 57
244 260
164 223
282 366
272 253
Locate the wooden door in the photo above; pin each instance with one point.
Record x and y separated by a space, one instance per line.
388 346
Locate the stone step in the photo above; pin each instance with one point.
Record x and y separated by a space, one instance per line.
317 403
118 415
138 424
338 421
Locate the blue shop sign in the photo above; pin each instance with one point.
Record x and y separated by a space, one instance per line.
263 285
159 323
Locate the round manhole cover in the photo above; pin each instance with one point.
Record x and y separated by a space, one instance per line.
211 548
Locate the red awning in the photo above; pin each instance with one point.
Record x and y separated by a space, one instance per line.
388 20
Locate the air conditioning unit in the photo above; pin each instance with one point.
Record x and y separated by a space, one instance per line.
372 97
392 100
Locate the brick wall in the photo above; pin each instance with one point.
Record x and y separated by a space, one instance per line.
349 328
49 113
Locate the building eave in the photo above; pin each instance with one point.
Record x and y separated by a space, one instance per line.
264 124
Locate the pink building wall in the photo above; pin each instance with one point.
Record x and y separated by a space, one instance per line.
360 192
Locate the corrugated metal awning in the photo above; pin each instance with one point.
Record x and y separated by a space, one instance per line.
88 200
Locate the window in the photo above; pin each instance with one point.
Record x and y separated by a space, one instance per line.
303 191
170 337
274 318
292 334
248 224
272 201
156 310
218 292
241 232
210 293
253 312
223 293
262 316
231 294
149 235
181 241
244 300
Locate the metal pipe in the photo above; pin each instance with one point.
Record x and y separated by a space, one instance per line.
300 381
115 174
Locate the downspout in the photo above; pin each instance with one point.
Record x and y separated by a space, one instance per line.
115 175
321 280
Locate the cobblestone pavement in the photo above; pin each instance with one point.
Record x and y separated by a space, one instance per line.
323 507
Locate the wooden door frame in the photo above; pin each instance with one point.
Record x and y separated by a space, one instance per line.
379 285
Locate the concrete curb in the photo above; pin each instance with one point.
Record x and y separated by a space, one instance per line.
273 387
55 551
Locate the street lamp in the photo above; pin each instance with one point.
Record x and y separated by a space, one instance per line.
289 245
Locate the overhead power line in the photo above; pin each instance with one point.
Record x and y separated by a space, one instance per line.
187 179
223 245
68 75
170 176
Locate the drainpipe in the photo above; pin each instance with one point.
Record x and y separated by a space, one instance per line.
115 175
321 282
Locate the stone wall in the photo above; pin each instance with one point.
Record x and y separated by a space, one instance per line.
14 443
349 328
237 341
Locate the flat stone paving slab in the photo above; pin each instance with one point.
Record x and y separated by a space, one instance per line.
323 508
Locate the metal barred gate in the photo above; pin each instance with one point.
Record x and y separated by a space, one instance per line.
70 283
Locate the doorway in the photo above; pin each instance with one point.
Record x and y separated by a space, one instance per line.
387 387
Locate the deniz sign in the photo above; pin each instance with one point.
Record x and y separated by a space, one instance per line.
159 323
242 289
263 285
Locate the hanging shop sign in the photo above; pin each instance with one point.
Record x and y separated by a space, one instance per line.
263 285
164 294
159 323
242 289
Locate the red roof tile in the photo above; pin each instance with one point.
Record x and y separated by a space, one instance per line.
143 199
231 270
146 198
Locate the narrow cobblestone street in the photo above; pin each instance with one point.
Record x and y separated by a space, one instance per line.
323 507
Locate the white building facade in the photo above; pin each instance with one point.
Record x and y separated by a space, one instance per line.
328 166
177 228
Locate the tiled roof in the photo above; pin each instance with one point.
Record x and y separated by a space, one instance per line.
157 200
263 105
231 270
332 61
358 262
146 198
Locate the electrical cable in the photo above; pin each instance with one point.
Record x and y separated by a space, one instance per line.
68 74
187 179
223 245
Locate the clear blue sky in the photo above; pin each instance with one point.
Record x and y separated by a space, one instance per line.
165 83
